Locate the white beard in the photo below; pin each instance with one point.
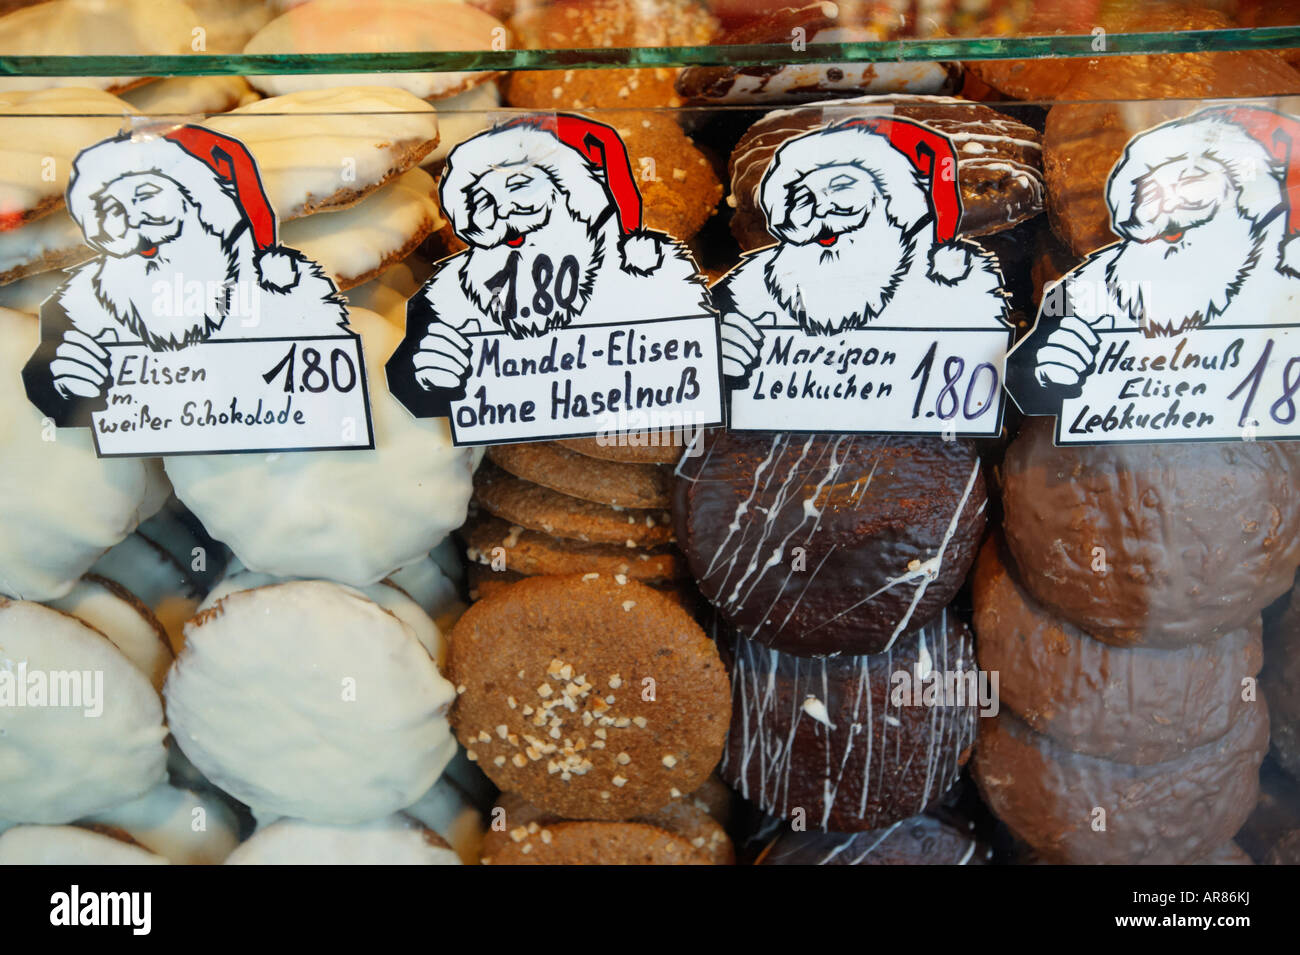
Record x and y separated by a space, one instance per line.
207 270
1163 287
560 236
829 290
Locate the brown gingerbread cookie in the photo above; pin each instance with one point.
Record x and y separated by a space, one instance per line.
538 508
531 553
1134 705
592 699
525 823
484 582
588 24
1076 809
638 448
601 482
1155 545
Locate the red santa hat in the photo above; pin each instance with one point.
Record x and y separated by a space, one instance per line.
588 161
217 172
1257 145
914 167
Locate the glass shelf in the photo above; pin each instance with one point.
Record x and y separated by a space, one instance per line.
745 55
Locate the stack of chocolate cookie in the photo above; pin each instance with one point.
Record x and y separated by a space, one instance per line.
831 560
1123 619
574 506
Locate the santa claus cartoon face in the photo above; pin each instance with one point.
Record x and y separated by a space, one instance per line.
507 203
138 213
1189 245
827 203
1177 197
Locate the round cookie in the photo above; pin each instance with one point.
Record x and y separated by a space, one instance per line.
636 448
999 160
921 840
81 729
540 509
393 840
593 699
679 188
588 24
601 482
795 82
71 845
351 516
526 825
354 245
1227 854
184 827
1286 851
187 95
1280 682
377 26
1163 814
453 814
61 506
37 152
50 242
323 150
119 615
140 28
484 582
1132 705
148 572
489 540
311 700
1174 565
823 544
832 739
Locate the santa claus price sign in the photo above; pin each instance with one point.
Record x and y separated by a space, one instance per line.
869 314
1186 328
565 316
192 331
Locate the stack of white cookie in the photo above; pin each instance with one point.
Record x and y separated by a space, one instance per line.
218 651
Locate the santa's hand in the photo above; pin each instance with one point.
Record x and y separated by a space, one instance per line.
80 368
441 359
1068 354
742 343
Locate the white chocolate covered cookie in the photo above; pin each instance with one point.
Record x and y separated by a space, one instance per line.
322 150
185 827
70 845
393 840
354 245
351 516
60 505
378 26
309 699
80 726
95 28
36 152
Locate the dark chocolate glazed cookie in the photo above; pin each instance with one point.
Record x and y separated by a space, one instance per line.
921 840
999 160
825 544
848 744
1156 545
1081 810
1134 705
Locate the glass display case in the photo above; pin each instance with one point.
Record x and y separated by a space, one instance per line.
649 432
